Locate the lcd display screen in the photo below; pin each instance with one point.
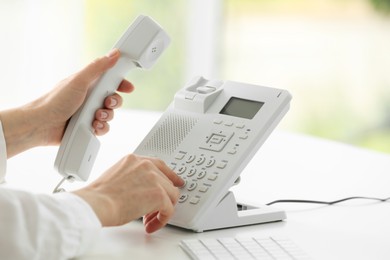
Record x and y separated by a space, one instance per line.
239 107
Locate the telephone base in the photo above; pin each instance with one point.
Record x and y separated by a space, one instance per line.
229 213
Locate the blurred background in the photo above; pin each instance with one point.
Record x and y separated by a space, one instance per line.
332 55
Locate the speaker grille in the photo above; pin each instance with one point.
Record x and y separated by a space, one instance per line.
170 134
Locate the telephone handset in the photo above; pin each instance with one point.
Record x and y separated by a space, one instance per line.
141 45
208 134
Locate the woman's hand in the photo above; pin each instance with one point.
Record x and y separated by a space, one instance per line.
134 187
43 121
68 96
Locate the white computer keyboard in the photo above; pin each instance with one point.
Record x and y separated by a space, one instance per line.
243 248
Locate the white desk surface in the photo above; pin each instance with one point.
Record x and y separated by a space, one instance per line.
288 166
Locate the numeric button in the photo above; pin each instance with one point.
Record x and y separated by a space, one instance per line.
200 160
183 198
191 172
192 186
201 174
181 170
210 163
190 159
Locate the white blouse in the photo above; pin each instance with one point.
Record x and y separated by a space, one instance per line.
3 155
40 226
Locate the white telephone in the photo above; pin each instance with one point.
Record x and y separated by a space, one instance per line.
140 46
208 134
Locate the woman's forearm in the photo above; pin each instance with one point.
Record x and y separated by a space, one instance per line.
21 129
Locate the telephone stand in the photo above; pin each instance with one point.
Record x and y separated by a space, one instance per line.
228 213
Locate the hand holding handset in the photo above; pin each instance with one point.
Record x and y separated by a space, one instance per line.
140 46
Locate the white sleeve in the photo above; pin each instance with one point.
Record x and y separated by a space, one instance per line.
40 226
3 154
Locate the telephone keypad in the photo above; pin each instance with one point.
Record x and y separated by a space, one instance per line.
199 172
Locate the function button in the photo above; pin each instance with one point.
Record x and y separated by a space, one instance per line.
180 155
243 136
212 177
200 160
222 165
205 89
228 123
232 151
191 172
216 139
210 163
192 186
194 200
240 126
190 158
183 198
181 170
201 174
204 188
217 121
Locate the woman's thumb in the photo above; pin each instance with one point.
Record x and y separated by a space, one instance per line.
96 68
